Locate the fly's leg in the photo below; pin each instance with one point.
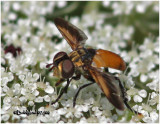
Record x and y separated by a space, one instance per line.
60 81
123 90
106 69
65 89
124 94
85 85
77 77
75 97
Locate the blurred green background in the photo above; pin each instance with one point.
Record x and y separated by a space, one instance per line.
145 24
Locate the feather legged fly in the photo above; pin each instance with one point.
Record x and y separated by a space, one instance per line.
88 62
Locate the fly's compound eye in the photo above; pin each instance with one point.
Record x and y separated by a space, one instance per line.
67 68
59 57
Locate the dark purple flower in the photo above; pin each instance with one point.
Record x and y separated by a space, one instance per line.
14 50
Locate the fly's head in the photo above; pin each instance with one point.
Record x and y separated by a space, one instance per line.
62 65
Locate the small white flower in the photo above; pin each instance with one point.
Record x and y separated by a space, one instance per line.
16 117
6 106
16 6
9 93
5 117
147 119
44 119
5 88
158 107
6 77
32 118
83 120
32 87
94 108
15 101
61 122
56 116
143 78
132 91
89 101
12 16
98 113
23 91
36 76
43 65
36 92
69 112
17 86
102 119
49 89
7 100
56 105
137 108
62 111
22 99
61 4
106 3
39 99
153 85
85 108
153 94
5 80
154 116
21 77
41 85
144 113
92 120
47 98
142 93
140 8
31 96
41 109
154 100
147 107
78 114
137 98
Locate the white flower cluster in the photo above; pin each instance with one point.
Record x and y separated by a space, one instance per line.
22 86
127 7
